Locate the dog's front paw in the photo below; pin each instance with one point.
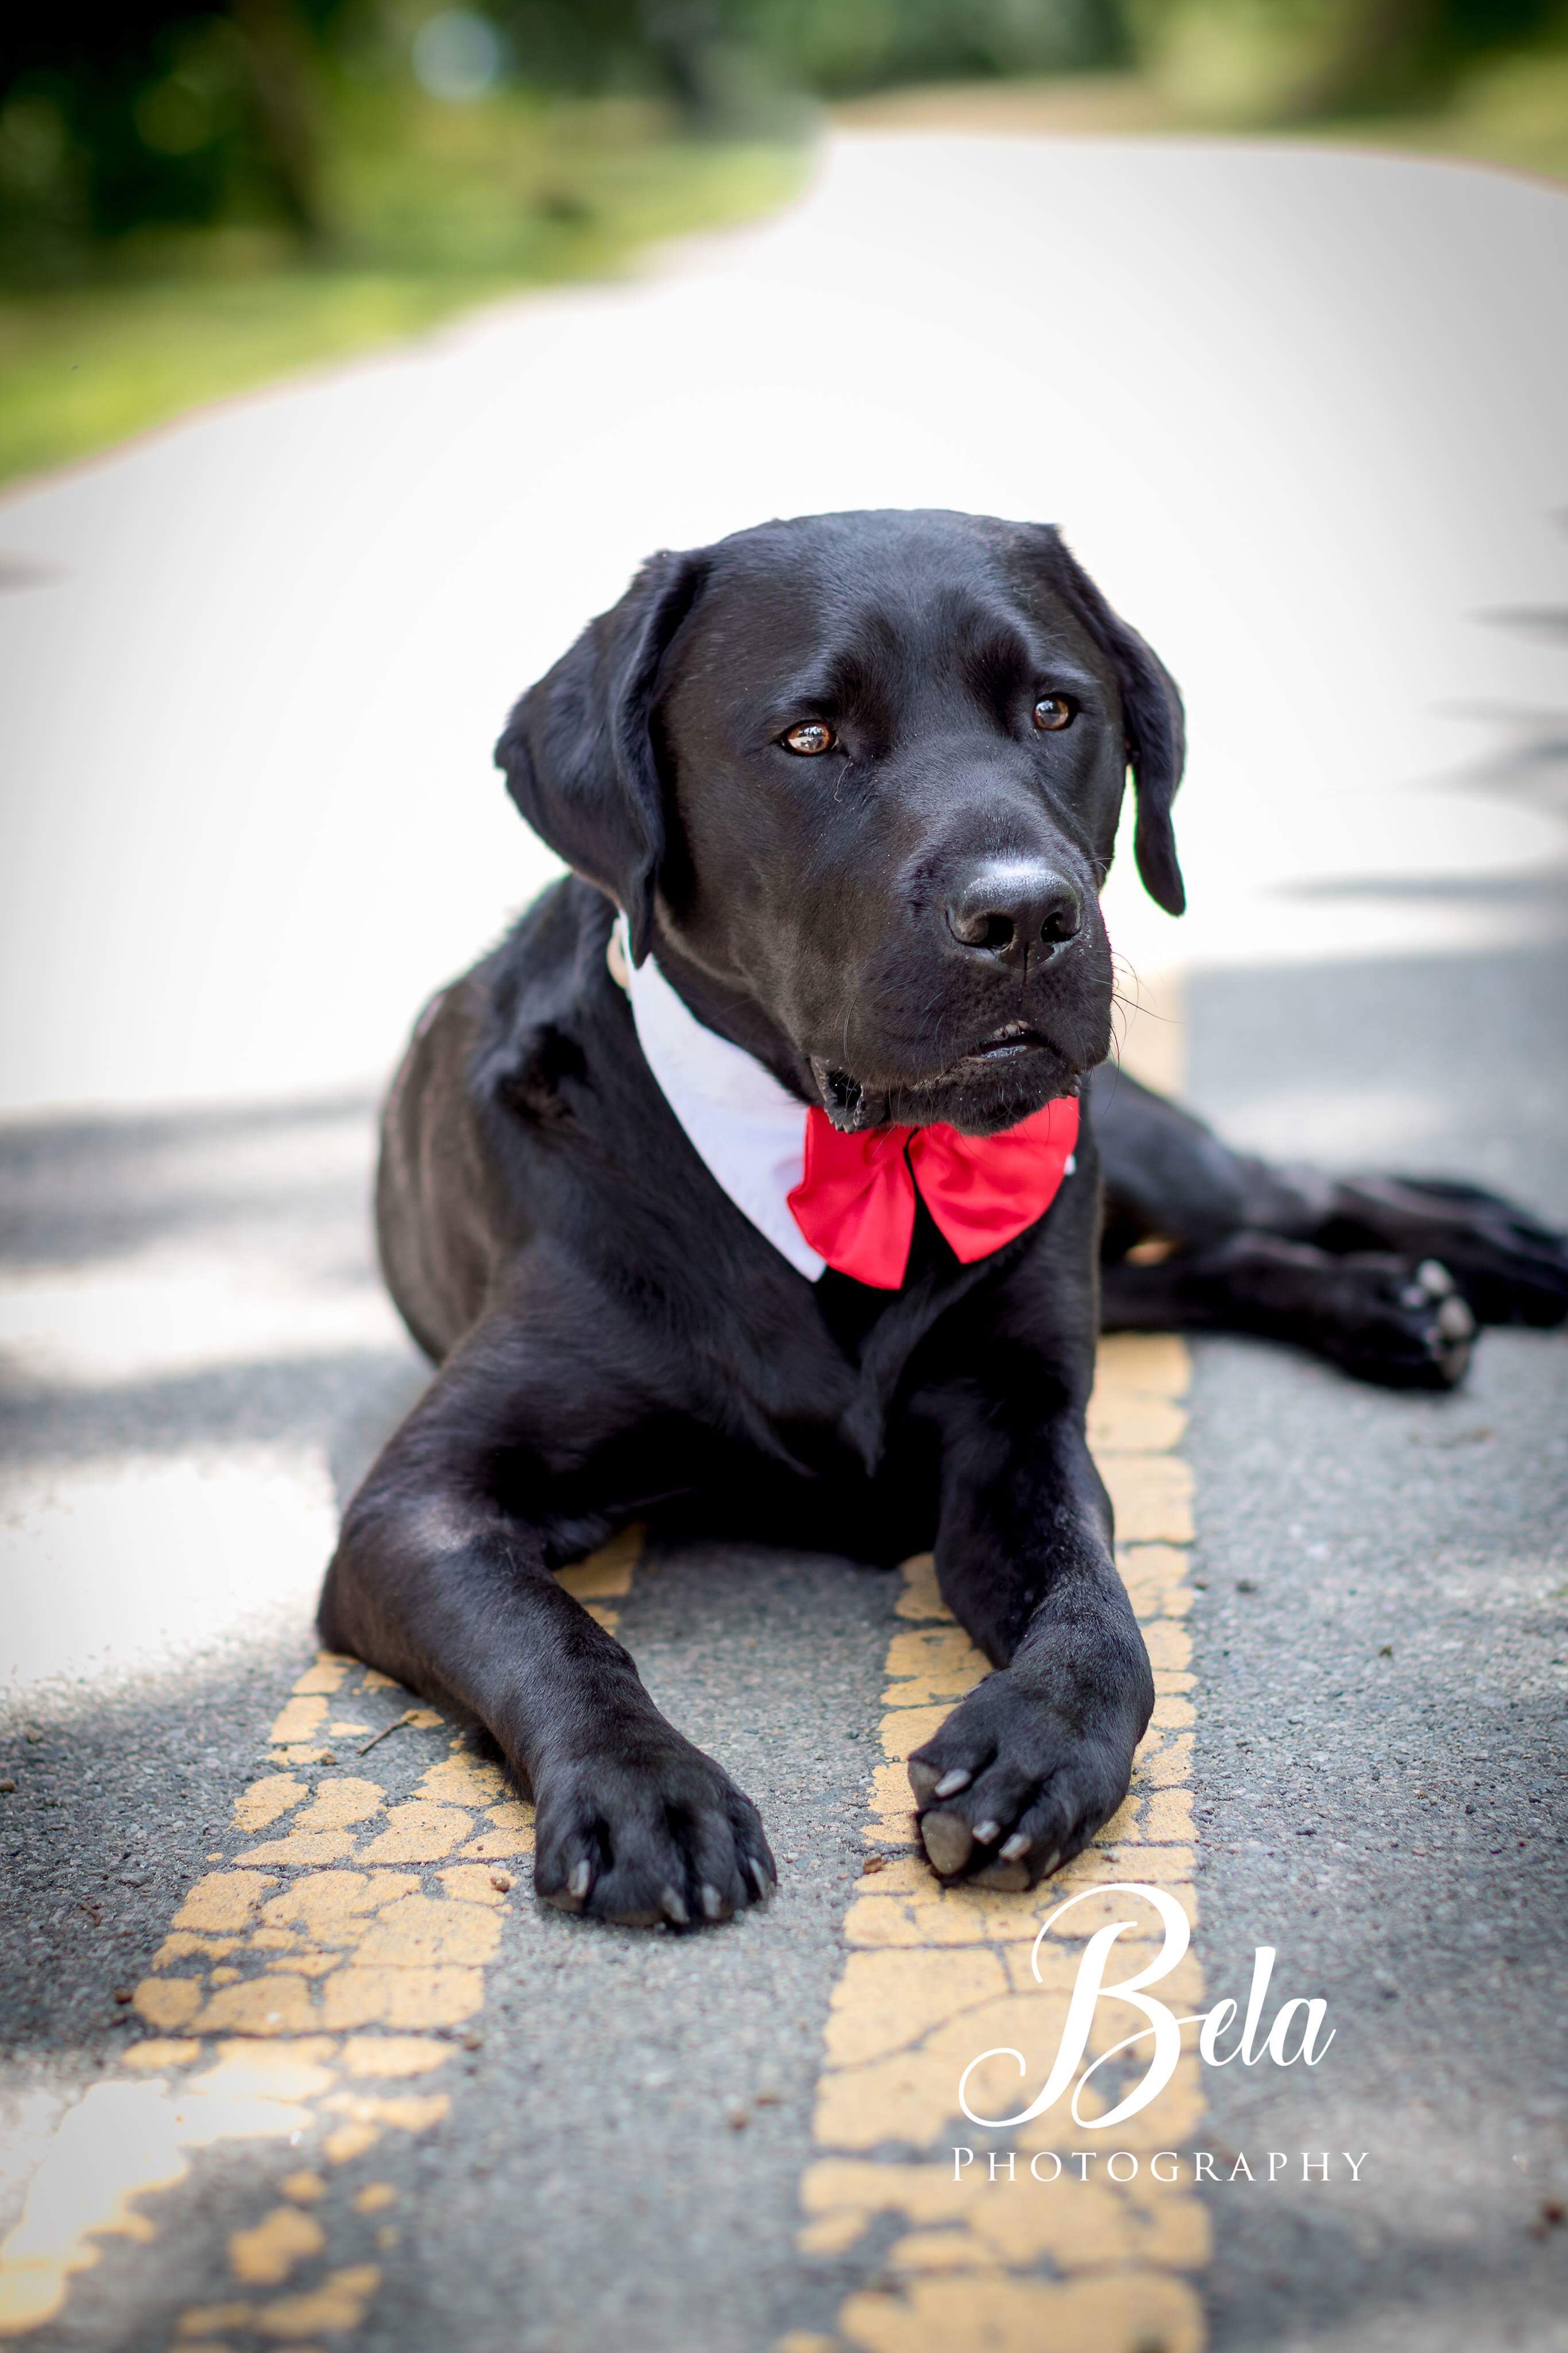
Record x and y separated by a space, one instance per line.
1009 1791
644 1829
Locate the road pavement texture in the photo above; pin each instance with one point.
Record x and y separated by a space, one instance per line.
1382 1655
289 2055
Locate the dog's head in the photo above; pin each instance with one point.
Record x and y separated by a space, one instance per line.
861 775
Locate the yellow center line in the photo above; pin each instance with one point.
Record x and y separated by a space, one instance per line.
305 1992
954 2260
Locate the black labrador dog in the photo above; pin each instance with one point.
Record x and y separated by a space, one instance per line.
853 782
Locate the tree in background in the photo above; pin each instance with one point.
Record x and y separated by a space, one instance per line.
835 48
1278 61
1266 60
119 116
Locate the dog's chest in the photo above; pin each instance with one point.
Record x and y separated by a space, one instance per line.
817 1371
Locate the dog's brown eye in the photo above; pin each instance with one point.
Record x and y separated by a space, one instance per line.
1053 711
809 738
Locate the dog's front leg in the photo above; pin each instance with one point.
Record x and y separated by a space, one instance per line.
1026 1769
443 1577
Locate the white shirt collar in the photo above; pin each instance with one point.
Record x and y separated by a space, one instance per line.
748 1130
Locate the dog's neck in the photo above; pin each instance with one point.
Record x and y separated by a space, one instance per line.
743 1121
733 1016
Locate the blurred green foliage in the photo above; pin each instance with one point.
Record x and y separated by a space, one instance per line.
1275 62
124 122
194 193
193 200
120 119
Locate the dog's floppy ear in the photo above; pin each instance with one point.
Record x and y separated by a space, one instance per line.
578 750
1152 712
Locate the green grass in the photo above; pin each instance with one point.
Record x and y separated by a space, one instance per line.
435 209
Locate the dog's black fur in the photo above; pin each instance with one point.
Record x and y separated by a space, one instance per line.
617 1341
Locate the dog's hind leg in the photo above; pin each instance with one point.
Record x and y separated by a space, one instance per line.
1509 1267
1379 1317
1169 1179
1200 1238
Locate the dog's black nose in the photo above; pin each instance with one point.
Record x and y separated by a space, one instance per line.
1008 906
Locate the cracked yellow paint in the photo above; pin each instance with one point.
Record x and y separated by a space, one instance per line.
396 1995
168 2001
118 2142
606 1576
1013 2315
465 1780
936 1976
339 2303
180 1942
316 1966
265 1799
150 2057
388 2056
224 1899
418 1831
278 2244
511 1833
298 1720
327 1675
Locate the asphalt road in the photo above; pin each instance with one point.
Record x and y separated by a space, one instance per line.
216 961
1383 1651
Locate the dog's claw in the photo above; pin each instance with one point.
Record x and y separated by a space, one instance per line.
950 1783
761 1878
1012 1849
674 1910
1435 1279
572 1892
712 1903
986 1832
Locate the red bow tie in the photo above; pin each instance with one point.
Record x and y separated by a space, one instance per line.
856 1204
